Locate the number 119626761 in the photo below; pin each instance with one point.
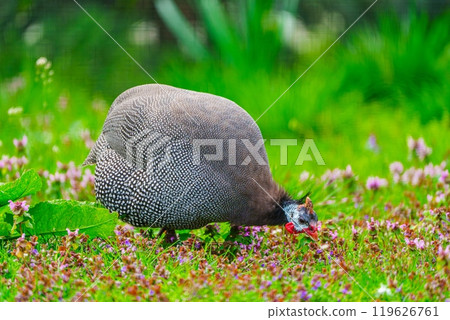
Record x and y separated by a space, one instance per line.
405 311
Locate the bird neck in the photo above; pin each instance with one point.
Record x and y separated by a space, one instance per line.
278 215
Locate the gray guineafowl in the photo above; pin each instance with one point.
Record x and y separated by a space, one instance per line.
177 159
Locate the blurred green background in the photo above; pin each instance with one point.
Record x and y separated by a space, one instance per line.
388 76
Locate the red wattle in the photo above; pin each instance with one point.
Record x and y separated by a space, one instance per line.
291 229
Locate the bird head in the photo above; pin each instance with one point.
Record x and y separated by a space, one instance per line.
301 218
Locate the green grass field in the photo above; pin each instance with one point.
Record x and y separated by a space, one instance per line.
384 229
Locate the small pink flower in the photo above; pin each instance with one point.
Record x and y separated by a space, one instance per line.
444 176
375 183
444 254
409 242
348 173
21 144
440 197
21 161
18 207
372 143
396 167
72 234
419 148
333 235
354 232
391 226
319 226
420 244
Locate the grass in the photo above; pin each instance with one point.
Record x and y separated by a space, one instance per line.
353 92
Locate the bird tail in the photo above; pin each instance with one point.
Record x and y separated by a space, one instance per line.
96 150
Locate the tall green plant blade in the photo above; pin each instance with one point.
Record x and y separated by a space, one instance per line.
181 28
219 29
54 217
28 183
262 32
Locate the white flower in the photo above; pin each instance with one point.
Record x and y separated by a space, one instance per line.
41 61
15 110
383 289
304 176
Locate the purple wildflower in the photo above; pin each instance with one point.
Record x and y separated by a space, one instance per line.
18 207
440 197
419 148
72 234
444 254
304 295
348 173
420 244
372 143
444 176
354 232
20 144
346 290
57 177
396 167
330 176
391 226
316 284
333 235
375 183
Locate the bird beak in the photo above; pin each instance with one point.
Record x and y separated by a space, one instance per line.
311 232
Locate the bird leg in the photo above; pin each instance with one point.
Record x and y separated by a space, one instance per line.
170 235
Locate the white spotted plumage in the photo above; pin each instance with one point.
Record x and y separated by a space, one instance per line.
145 169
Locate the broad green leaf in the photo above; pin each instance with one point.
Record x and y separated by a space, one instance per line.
28 183
54 217
5 229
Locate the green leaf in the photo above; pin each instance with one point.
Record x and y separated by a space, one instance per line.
225 230
54 217
28 183
5 229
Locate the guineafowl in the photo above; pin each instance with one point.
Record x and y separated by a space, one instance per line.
178 159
